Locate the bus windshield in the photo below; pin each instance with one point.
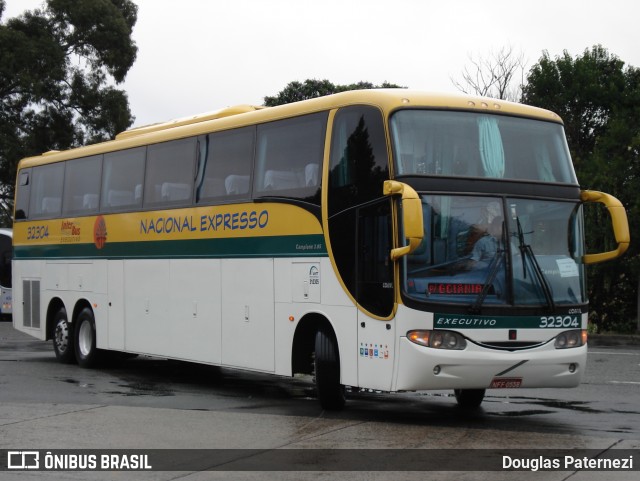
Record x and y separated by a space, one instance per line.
448 143
498 251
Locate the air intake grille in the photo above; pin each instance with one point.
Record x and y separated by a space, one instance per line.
31 311
510 345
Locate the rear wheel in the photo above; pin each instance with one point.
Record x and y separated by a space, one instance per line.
87 354
469 398
331 393
63 338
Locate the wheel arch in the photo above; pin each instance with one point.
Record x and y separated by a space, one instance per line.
55 304
80 305
304 338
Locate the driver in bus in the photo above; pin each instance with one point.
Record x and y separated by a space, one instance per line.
485 248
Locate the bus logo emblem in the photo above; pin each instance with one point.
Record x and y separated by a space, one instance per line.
100 232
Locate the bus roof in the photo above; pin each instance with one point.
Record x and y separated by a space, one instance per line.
387 100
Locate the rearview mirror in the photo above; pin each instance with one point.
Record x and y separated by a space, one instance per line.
412 222
618 220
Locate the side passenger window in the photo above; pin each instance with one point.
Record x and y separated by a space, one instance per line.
46 190
169 176
289 157
224 165
122 178
82 186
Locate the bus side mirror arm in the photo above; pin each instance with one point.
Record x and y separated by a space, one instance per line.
618 220
411 216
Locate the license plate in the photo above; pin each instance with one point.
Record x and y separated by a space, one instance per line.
506 383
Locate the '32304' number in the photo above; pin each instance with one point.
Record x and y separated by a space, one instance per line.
37 232
559 321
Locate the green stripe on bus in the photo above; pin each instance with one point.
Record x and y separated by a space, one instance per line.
453 321
277 246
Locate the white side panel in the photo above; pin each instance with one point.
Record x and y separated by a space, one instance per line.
166 308
27 271
195 327
345 323
331 291
116 283
56 274
282 280
248 314
81 276
147 306
376 348
305 282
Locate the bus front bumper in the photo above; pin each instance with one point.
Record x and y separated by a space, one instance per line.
477 367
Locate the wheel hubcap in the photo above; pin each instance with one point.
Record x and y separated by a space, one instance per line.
85 338
62 336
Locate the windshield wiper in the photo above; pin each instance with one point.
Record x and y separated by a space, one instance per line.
527 252
493 272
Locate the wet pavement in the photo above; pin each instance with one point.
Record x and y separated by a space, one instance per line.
150 403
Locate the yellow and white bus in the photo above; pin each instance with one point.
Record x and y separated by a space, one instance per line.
390 240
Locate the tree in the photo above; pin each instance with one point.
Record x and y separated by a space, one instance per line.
58 66
598 98
500 75
311 88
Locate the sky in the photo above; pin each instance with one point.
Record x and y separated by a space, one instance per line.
196 56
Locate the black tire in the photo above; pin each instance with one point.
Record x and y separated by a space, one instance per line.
63 344
469 398
87 354
331 393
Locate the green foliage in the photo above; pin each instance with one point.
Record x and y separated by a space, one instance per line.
599 101
311 88
58 66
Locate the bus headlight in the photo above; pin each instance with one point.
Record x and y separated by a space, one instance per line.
438 339
569 339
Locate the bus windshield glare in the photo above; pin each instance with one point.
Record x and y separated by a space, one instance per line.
497 251
447 143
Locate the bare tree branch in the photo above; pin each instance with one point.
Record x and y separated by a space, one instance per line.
499 75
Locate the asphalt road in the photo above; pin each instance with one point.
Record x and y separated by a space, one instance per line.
149 403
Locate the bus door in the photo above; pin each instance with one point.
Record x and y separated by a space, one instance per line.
375 295
359 225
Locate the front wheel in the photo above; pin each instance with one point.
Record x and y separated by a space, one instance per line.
87 354
63 338
327 372
469 398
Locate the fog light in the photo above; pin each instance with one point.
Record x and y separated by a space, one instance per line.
572 368
436 370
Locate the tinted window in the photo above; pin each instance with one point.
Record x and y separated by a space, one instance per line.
359 166
169 175
359 162
480 145
82 185
289 157
374 266
224 165
22 194
46 190
122 178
